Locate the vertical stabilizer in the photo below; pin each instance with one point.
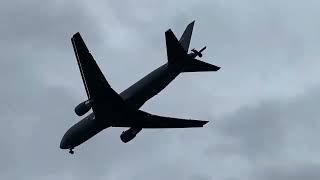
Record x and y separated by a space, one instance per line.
175 51
186 36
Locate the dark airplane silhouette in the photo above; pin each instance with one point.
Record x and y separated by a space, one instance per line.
111 109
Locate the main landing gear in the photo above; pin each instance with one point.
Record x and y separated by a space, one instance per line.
71 151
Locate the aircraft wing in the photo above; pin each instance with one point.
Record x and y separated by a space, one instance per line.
146 120
97 87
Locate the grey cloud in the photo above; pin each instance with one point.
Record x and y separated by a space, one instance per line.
32 119
291 171
268 53
199 177
275 139
44 25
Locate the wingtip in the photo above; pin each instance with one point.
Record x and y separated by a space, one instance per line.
76 34
168 31
216 68
191 23
202 124
205 122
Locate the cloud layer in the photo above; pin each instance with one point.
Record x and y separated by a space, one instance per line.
262 105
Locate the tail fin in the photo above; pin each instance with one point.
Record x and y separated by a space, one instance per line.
196 65
186 36
175 50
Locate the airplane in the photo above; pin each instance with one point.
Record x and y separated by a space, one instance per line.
110 109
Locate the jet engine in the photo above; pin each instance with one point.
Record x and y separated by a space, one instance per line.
129 134
83 108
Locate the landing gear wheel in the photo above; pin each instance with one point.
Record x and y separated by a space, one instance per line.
71 151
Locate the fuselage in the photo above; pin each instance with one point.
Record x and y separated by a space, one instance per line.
150 85
134 97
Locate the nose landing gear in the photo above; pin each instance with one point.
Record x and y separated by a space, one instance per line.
71 151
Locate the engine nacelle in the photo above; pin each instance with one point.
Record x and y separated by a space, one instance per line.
83 108
129 134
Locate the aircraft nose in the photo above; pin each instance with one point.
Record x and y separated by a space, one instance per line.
64 143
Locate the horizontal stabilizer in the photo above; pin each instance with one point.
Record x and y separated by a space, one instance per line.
186 36
196 65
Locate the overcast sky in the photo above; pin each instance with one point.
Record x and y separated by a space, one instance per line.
262 105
